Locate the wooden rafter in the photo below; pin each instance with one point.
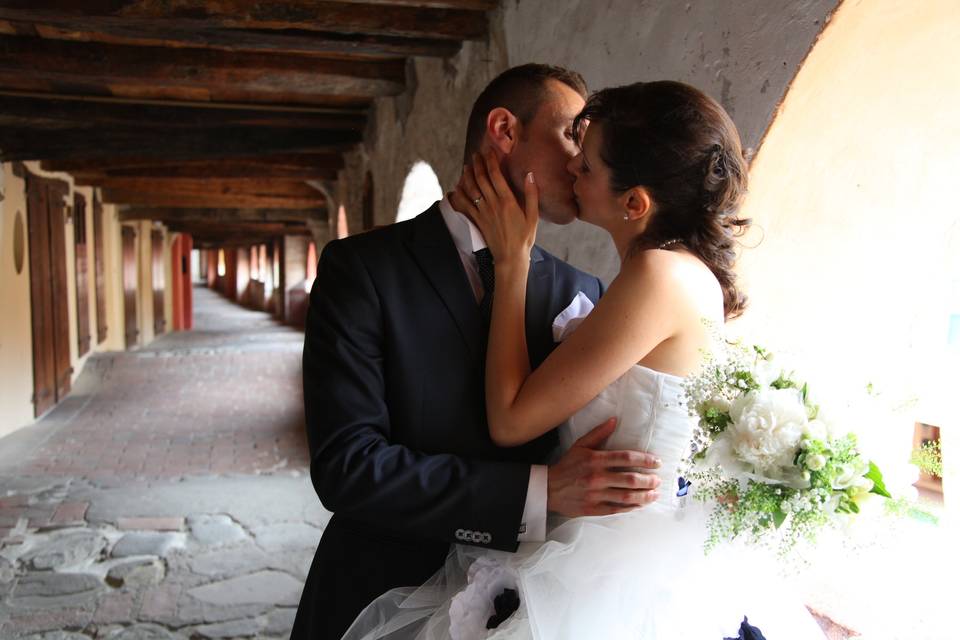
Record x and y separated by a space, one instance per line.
89 145
53 111
305 15
147 32
316 166
222 215
244 201
198 75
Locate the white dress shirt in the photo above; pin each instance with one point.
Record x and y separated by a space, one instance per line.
467 238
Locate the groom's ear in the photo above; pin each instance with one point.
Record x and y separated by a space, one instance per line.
503 130
637 203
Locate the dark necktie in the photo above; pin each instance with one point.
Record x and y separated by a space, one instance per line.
485 266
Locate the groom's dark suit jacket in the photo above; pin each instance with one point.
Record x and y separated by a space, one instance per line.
393 389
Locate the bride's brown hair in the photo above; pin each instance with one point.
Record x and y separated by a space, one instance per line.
680 145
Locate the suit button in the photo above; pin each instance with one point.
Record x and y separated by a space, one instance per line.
486 538
460 534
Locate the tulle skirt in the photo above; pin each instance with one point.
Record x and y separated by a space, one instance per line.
642 575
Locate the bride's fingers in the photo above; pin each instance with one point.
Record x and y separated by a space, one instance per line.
483 181
497 180
531 197
472 191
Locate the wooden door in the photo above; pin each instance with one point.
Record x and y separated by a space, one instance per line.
48 291
80 260
99 270
159 278
129 236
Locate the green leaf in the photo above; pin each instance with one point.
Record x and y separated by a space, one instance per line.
779 517
878 487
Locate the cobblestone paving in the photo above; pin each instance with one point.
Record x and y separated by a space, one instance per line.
168 496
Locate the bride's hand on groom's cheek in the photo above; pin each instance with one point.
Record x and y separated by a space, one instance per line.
588 481
485 196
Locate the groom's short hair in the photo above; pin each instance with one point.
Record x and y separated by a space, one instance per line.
521 90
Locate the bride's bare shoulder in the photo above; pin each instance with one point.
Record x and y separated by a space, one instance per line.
674 273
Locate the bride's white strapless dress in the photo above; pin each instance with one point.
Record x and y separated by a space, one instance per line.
642 575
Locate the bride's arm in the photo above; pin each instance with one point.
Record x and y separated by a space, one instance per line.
635 315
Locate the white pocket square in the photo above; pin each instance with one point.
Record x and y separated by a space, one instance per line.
571 317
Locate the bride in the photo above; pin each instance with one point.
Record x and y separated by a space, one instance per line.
661 170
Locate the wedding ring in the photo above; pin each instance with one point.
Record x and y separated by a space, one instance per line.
476 201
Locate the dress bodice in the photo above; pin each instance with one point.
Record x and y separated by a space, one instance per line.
651 416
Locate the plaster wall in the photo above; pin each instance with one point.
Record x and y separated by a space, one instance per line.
16 330
16 352
856 265
745 54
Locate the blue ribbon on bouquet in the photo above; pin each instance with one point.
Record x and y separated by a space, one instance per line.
748 632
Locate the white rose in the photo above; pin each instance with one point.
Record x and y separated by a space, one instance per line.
767 428
849 475
766 370
717 402
816 430
816 462
869 503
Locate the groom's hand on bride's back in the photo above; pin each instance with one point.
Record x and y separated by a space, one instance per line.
589 481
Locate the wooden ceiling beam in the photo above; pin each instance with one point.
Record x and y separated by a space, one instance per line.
475 5
213 228
239 201
59 112
88 146
209 172
223 215
310 15
193 74
278 165
158 33
245 187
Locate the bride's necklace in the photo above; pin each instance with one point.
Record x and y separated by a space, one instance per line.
664 245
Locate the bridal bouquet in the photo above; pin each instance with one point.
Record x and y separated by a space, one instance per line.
776 467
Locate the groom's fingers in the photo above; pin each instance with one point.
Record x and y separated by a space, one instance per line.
628 458
623 497
595 437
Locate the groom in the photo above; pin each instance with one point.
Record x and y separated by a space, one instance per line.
393 380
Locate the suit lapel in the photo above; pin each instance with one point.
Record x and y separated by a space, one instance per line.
433 249
539 296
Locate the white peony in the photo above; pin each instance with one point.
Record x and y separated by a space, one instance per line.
766 430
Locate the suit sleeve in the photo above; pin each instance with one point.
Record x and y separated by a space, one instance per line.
356 468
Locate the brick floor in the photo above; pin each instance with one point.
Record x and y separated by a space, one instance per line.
224 398
204 424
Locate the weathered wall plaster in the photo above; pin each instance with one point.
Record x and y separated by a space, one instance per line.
745 54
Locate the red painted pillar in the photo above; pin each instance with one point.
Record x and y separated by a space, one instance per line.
176 281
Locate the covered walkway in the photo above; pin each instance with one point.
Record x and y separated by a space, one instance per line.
169 489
